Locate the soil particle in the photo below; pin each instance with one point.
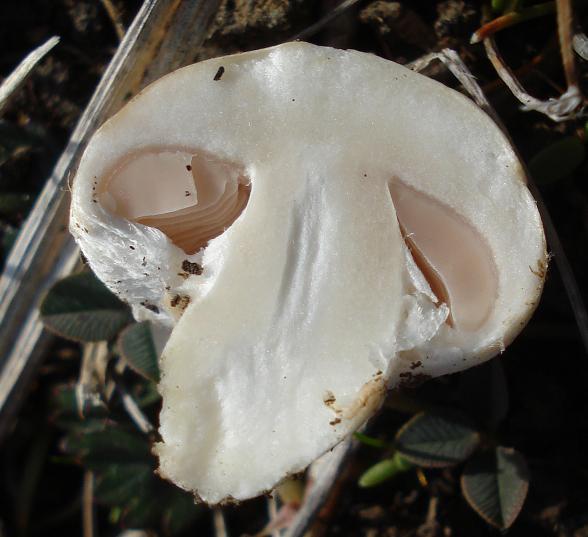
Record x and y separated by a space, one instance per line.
219 73
191 268
412 380
180 301
150 307
457 18
329 398
249 24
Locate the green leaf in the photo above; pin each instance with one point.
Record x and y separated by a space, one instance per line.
498 6
137 348
113 444
80 308
12 203
384 470
65 408
495 484
557 161
370 440
114 515
146 394
143 510
118 483
180 512
437 440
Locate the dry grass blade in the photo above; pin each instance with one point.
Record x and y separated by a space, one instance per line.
567 106
134 412
454 63
565 269
329 471
24 69
44 251
319 25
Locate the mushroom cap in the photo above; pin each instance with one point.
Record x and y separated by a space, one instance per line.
360 226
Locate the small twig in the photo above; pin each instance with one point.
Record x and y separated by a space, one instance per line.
454 63
88 505
111 385
272 510
567 106
19 75
92 375
565 21
510 19
422 478
431 525
220 526
115 18
317 26
134 412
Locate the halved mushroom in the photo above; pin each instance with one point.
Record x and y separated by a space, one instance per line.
330 224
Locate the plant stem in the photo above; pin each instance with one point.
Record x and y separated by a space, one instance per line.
510 19
220 526
115 18
88 505
565 31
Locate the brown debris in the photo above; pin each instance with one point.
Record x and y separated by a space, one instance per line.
329 398
412 380
219 74
191 268
180 301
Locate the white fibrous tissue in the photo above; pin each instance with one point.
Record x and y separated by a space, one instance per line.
312 227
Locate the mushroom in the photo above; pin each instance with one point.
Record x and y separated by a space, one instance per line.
315 227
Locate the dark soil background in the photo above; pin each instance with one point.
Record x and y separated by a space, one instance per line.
539 386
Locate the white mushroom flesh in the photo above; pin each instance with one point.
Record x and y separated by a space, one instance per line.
286 275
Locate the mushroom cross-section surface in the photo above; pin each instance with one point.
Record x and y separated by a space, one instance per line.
314 226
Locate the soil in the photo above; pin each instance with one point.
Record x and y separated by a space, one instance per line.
541 392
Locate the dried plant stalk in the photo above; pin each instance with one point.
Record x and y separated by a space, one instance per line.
565 22
23 70
327 474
